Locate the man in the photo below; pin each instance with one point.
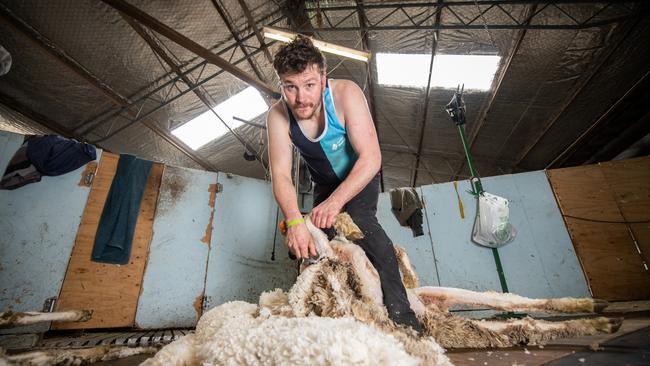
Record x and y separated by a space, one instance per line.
329 123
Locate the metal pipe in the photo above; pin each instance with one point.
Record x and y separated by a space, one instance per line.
371 86
434 46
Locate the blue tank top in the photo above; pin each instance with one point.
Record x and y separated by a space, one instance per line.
330 156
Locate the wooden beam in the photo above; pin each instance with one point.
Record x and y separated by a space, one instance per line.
159 83
38 118
564 155
634 141
154 24
46 44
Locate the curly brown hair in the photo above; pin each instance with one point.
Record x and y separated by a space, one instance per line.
294 57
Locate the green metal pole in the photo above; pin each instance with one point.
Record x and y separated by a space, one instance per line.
477 187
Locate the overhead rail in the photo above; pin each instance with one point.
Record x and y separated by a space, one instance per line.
419 15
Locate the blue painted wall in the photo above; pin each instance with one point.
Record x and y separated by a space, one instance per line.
245 222
419 249
540 262
37 241
9 143
175 273
39 224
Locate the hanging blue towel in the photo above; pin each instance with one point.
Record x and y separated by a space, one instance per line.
117 224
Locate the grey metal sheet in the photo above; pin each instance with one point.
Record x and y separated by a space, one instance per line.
240 265
419 249
175 273
39 225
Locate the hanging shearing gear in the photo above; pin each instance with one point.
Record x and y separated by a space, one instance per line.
492 227
485 217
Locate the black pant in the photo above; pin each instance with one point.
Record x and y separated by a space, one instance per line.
378 248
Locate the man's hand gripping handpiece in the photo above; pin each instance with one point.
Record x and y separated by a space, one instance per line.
304 240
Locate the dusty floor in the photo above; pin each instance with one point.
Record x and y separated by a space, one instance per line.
629 346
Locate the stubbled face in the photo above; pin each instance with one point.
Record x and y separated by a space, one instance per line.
303 92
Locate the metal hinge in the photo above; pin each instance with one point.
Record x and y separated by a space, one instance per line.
88 179
48 305
206 303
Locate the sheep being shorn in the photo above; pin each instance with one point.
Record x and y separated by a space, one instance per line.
450 331
334 314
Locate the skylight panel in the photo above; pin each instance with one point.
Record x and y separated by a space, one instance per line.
246 105
475 71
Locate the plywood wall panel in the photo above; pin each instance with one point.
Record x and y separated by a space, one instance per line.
111 291
605 207
583 192
613 266
629 181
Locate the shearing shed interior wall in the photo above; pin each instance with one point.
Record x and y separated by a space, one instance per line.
210 245
174 279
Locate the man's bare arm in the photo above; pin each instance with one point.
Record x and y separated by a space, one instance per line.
280 157
363 136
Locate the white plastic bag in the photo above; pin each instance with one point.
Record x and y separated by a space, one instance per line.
492 227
